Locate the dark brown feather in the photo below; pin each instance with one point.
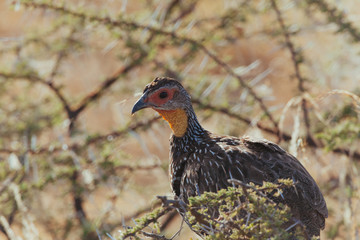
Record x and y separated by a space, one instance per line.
203 162
207 166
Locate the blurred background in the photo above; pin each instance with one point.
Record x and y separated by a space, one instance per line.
74 163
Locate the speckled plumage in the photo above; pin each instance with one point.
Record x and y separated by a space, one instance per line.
203 162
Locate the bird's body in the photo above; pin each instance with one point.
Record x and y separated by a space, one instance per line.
204 162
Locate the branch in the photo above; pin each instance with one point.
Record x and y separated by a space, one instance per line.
142 211
295 57
272 131
338 17
146 221
60 56
126 129
138 167
242 82
117 134
133 25
247 186
73 114
78 200
248 121
104 86
154 236
171 216
5 184
36 79
296 60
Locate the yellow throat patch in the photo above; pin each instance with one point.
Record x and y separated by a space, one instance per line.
177 120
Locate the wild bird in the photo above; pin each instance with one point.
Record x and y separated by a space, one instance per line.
201 161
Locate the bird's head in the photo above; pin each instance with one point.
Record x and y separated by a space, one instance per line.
169 98
163 94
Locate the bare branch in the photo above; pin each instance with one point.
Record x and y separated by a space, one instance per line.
338 17
36 79
104 86
296 60
174 35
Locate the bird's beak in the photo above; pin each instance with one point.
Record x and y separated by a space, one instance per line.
140 104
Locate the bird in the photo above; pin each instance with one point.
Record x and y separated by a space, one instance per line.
201 161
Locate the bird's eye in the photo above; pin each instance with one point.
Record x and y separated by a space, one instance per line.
163 95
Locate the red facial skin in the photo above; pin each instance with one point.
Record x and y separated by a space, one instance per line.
176 118
155 97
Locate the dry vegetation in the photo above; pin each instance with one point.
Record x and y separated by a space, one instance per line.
73 162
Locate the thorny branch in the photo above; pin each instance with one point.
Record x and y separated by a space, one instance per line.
142 211
36 79
154 236
185 10
138 167
258 190
284 136
227 112
150 219
296 60
295 57
59 58
231 72
74 112
133 25
336 16
78 200
109 137
104 86
147 124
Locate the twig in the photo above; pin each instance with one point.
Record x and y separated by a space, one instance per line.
284 136
296 60
93 140
73 114
185 11
227 112
169 9
36 79
133 25
137 168
231 72
338 17
170 217
59 58
142 211
5 184
6 229
104 86
154 236
153 217
116 134
78 200
244 185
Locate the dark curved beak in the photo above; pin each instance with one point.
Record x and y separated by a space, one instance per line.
140 104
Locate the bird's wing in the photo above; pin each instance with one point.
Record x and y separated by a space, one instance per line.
254 160
283 165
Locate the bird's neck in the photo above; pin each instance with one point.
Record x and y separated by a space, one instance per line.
177 119
183 122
